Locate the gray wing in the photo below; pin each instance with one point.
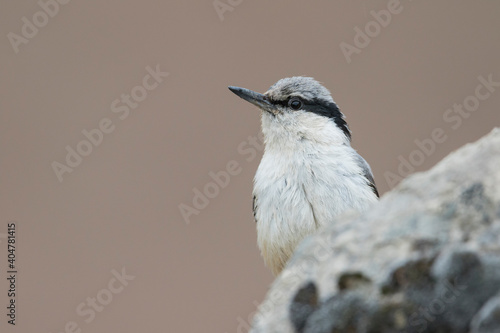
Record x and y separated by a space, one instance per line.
367 173
254 208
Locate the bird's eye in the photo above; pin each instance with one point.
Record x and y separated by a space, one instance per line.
295 103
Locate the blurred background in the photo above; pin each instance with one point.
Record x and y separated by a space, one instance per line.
115 117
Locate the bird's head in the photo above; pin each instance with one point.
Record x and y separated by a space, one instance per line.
298 108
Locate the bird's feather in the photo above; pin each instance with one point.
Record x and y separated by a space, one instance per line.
367 173
254 208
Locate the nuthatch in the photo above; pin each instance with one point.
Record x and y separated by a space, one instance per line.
309 173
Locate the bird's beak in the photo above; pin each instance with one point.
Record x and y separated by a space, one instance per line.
255 98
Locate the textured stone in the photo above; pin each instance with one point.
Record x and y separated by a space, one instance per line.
426 258
487 319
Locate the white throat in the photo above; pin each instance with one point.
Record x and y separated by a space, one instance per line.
288 130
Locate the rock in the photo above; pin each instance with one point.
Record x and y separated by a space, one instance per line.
303 305
487 320
426 258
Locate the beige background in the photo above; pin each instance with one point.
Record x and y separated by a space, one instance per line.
120 207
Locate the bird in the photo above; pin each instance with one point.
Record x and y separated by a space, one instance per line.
309 174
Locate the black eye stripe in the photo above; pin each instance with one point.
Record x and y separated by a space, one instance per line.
330 110
276 102
286 101
322 108
312 106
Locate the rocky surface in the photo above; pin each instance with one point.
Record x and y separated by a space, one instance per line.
426 258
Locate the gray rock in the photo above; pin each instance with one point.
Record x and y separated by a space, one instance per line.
487 320
426 258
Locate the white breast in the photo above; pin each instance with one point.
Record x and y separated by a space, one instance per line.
306 178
